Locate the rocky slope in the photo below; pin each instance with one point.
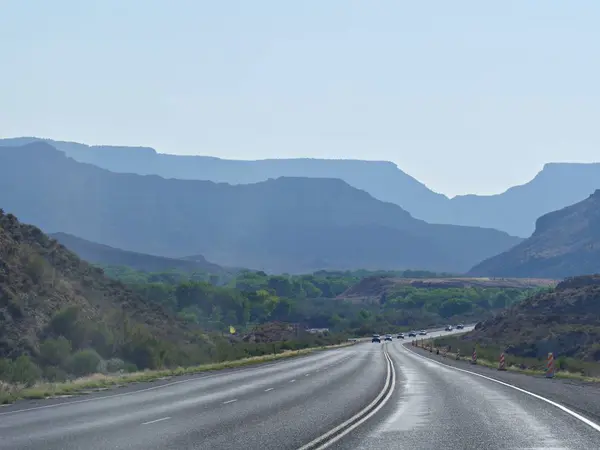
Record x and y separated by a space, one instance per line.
47 292
565 243
565 321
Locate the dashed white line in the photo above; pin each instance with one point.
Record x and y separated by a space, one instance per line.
157 420
230 401
307 374
269 389
291 381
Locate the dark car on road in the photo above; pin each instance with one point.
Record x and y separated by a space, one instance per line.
460 326
376 338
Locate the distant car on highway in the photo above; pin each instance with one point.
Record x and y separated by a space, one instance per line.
400 336
460 326
376 338
448 328
422 332
412 334
388 337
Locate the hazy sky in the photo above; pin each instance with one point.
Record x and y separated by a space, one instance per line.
466 96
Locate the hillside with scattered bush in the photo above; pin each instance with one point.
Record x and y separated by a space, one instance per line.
565 321
61 317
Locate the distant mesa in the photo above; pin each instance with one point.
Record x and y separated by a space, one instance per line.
514 211
288 224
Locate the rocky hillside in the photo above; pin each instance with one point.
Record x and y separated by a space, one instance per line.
284 225
110 256
565 321
565 243
47 293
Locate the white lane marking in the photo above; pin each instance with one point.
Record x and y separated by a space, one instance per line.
270 389
390 378
307 374
291 381
230 401
195 378
572 413
157 420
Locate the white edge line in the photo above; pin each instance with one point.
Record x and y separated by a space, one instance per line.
269 389
230 401
196 377
391 374
572 413
157 420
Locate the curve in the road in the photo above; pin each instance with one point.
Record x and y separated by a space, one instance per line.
327 439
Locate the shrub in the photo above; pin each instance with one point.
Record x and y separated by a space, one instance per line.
54 374
84 362
115 365
130 367
25 371
55 352
6 367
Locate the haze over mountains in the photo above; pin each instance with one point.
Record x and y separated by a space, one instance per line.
514 211
110 256
284 225
565 243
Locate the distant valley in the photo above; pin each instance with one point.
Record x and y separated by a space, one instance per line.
514 211
283 225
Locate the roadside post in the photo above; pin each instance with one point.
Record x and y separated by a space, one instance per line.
457 354
474 356
502 363
550 366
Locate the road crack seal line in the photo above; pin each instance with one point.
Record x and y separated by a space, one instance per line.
326 440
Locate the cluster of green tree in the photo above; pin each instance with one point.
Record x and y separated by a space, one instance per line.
255 297
328 283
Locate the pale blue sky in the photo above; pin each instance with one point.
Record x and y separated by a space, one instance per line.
466 96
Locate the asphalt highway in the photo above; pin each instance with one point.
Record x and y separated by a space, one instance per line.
368 396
